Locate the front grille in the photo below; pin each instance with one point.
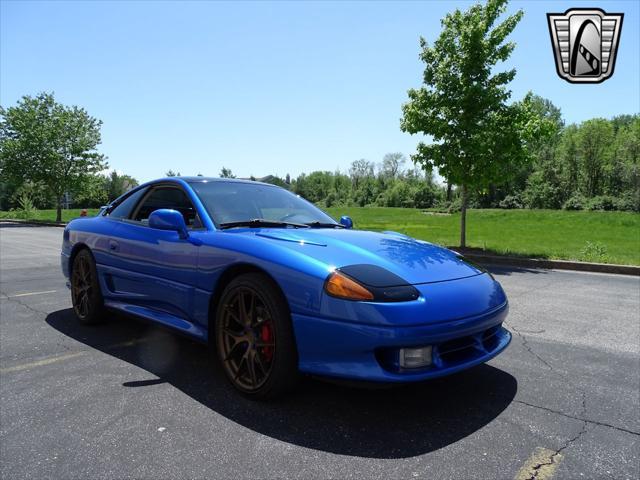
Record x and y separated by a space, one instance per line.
450 353
464 349
458 350
490 338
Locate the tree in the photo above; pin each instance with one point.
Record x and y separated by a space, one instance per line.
96 192
392 164
360 169
116 184
315 187
366 192
171 173
226 173
43 141
628 151
595 138
462 103
101 189
538 183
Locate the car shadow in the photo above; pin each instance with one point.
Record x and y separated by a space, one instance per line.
387 423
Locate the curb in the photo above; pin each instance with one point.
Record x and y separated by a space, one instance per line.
44 223
481 258
499 260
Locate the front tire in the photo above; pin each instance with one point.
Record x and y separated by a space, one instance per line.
86 296
254 337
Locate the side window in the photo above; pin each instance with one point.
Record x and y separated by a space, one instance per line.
168 197
124 208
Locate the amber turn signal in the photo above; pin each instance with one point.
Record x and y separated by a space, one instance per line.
341 286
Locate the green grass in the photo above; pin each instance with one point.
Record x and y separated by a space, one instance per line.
48 215
607 237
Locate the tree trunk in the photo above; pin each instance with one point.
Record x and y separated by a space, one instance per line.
463 218
448 192
59 210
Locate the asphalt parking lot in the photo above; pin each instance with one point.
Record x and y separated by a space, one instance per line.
126 399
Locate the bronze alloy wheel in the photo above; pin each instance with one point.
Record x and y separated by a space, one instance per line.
247 339
82 287
85 290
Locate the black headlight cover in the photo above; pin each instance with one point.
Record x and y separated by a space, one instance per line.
385 286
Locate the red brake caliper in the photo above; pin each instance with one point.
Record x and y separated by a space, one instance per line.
266 335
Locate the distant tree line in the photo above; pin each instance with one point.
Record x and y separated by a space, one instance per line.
367 184
594 165
97 190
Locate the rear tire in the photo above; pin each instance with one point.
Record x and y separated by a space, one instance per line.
86 296
254 337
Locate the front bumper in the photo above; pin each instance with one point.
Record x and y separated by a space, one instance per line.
64 265
362 352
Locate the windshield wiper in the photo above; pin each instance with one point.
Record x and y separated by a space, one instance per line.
261 222
324 225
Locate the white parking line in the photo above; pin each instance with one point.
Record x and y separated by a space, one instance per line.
39 363
28 294
66 356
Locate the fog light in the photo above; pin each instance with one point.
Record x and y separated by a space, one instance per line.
415 357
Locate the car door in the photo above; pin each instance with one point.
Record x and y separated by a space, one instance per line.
156 269
102 245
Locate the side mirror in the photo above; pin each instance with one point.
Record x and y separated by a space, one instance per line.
166 219
346 221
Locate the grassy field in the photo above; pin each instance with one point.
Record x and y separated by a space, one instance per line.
49 215
608 237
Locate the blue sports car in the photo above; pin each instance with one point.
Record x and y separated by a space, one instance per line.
279 288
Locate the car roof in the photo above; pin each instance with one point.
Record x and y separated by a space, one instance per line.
209 180
216 180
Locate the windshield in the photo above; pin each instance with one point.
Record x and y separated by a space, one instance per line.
230 202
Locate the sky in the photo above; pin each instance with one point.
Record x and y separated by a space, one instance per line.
267 88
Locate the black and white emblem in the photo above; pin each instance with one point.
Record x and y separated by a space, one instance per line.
585 43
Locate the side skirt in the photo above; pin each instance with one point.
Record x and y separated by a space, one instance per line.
166 319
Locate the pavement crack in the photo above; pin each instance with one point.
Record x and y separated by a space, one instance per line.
554 457
22 304
525 344
557 454
573 417
539 467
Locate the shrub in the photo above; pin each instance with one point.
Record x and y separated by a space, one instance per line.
455 206
540 193
628 203
37 193
602 202
425 195
397 195
576 202
511 202
25 204
594 252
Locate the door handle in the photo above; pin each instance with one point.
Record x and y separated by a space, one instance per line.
113 245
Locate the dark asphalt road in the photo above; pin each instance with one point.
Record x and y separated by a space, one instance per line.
125 399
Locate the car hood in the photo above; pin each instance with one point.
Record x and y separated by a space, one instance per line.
414 260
